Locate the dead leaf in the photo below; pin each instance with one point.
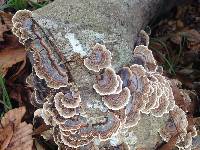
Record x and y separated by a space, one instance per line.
14 134
13 116
5 23
38 146
43 127
193 37
180 98
11 52
170 144
22 138
9 57
5 136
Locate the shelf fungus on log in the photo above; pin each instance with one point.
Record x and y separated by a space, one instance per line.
125 74
75 132
109 127
107 83
41 91
152 99
62 110
119 88
47 68
98 59
82 118
143 39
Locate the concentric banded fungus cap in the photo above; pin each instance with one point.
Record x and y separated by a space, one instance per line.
132 119
69 98
21 24
109 127
163 101
138 81
107 83
171 97
90 146
119 88
186 143
152 99
117 101
50 109
108 146
57 136
41 91
62 110
147 56
76 140
124 74
73 123
46 68
133 108
21 16
98 59
177 123
162 108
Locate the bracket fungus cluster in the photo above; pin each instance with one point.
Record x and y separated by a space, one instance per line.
80 122
31 34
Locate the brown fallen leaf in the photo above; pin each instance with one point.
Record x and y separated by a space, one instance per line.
9 57
5 136
13 116
170 144
179 95
14 134
5 23
11 52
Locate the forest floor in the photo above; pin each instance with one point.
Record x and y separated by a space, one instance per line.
174 40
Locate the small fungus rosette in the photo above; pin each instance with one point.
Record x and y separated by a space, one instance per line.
98 59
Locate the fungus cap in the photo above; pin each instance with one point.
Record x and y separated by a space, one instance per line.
147 57
138 81
98 59
62 110
125 74
117 101
107 83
